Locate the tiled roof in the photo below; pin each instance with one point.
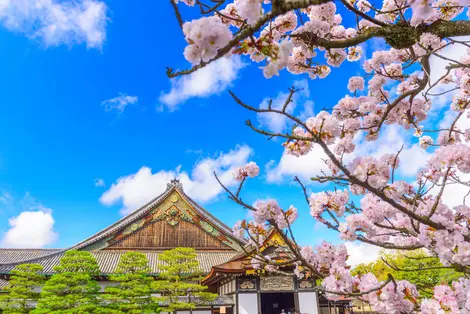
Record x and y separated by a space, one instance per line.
8 256
50 257
3 283
139 213
108 260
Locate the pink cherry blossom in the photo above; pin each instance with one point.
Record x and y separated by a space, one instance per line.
249 10
205 36
356 83
251 170
368 193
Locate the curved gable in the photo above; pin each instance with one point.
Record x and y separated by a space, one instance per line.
175 221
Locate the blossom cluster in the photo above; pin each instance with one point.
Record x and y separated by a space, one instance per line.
396 87
205 37
384 297
265 211
332 201
251 170
449 299
271 211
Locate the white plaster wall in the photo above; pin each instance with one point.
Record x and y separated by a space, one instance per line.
247 303
103 284
37 289
201 312
308 303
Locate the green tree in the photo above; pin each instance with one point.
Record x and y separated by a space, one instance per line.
20 291
179 275
133 293
417 267
72 288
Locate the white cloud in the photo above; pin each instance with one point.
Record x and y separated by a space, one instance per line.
360 252
277 123
452 52
413 157
134 190
212 79
57 22
454 194
119 103
438 68
6 197
30 229
99 182
290 166
390 141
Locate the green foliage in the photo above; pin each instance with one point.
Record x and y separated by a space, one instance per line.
416 266
72 288
180 275
133 292
20 291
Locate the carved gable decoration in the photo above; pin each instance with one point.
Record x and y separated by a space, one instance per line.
173 215
174 222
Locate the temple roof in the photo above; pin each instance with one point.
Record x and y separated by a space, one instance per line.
17 255
174 185
108 260
273 246
171 211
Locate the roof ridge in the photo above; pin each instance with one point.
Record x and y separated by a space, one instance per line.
212 218
34 259
123 221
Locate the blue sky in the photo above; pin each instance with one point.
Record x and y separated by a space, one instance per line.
58 137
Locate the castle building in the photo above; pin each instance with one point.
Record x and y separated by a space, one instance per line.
172 220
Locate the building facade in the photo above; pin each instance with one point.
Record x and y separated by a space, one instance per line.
172 220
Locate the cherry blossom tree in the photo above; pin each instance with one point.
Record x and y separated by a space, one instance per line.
399 88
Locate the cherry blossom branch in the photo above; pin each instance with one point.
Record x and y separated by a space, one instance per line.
177 13
362 14
249 31
292 245
232 196
353 179
359 294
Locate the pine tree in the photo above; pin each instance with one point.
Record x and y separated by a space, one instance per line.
133 292
72 288
179 285
19 294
